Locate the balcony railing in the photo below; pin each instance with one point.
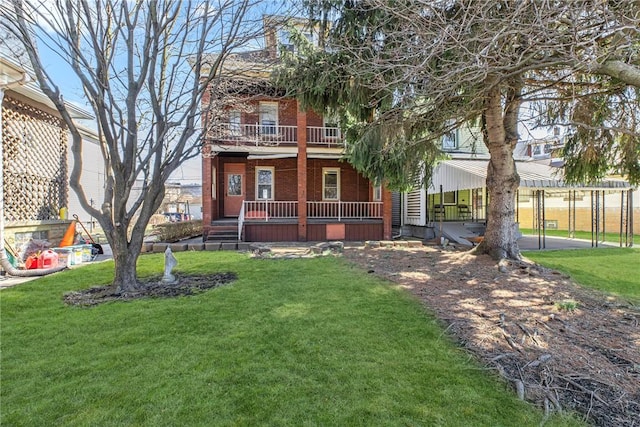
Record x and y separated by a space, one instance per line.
328 136
265 210
273 135
254 134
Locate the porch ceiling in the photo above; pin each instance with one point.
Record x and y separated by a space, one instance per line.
456 175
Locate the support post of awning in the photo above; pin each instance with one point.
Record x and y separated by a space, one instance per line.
604 218
630 217
623 219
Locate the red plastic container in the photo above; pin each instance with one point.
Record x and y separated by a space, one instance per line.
31 263
48 259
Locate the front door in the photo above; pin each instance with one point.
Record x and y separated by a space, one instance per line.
233 188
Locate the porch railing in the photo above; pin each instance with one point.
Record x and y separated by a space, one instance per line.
454 213
274 135
265 210
344 210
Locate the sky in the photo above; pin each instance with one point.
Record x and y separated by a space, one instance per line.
71 88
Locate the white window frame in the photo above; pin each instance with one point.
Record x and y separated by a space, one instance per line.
325 172
285 44
377 193
268 108
455 198
450 140
273 182
284 41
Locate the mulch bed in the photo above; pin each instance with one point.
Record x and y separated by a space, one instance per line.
152 287
559 345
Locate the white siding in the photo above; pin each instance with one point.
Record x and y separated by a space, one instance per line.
92 179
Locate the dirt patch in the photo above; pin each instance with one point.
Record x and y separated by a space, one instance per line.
561 346
152 287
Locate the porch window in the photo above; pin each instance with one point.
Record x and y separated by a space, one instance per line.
234 123
450 197
330 184
268 117
377 193
264 183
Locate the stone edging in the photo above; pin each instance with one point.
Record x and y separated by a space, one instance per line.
261 248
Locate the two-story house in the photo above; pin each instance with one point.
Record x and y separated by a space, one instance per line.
272 171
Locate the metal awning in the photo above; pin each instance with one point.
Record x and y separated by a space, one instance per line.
455 175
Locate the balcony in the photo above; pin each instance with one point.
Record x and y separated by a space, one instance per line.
262 135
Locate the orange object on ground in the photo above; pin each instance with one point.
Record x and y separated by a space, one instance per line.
31 263
69 236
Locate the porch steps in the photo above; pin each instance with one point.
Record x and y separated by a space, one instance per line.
459 232
222 233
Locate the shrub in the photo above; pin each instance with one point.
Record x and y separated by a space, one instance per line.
174 231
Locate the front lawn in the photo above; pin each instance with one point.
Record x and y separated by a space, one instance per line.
611 237
613 270
291 342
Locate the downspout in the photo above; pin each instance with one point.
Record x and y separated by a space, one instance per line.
4 261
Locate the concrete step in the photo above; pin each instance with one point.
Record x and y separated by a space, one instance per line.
223 235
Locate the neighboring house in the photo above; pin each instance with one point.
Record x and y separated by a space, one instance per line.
35 170
35 149
272 172
182 201
455 202
92 179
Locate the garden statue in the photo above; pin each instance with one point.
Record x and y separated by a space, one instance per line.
169 262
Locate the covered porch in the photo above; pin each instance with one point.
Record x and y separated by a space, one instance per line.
268 198
544 201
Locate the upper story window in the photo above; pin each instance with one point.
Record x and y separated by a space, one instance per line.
234 122
331 129
268 118
286 42
542 149
450 140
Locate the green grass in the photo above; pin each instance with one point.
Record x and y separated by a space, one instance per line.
584 235
291 342
612 270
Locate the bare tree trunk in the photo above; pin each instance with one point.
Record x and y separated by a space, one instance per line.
502 177
125 258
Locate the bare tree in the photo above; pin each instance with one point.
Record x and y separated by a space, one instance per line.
405 73
145 68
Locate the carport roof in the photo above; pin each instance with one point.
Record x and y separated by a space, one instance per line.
456 175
